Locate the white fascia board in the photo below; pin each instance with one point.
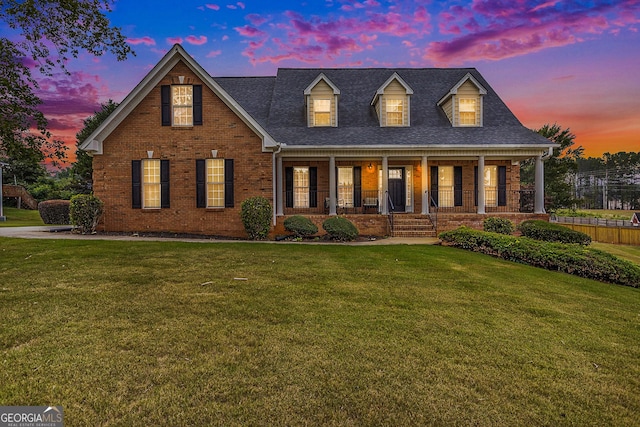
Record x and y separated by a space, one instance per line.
454 89
394 76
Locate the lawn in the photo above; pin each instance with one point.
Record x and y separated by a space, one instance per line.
630 253
155 333
20 217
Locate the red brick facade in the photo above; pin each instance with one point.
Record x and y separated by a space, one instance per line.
141 131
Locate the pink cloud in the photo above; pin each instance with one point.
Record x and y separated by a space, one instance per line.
256 19
249 31
497 29
174 40
240 5
225 37
213 53
212 6
146 40
232 6
200 40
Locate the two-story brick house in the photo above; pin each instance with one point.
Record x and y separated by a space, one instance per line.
184 149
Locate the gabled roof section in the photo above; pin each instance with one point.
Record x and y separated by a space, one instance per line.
321 76
454 89
93 144
394 76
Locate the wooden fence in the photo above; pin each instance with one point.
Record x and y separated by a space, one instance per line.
603 234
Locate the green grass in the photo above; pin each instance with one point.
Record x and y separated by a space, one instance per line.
597 213
20 217
154 333
630 253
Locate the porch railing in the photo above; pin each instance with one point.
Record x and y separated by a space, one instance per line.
466 201
318 203
391 209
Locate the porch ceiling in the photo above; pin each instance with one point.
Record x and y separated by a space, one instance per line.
503 153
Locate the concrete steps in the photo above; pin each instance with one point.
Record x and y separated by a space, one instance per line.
412 225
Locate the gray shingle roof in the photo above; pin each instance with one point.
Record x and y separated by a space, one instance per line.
278 104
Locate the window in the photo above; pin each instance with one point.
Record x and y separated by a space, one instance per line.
182 105
151 183
345 187
491 186
215 183
445 186
467 110
395 112
322 112
301 187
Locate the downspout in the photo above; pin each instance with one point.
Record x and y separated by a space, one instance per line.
274 185
547 155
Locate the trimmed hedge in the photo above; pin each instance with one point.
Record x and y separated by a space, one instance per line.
256 215
85 212
498 225
300 225
54 211
568 258
340 228
543 230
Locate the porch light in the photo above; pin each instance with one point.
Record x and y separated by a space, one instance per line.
370 166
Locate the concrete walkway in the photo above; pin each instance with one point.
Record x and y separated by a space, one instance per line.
64 232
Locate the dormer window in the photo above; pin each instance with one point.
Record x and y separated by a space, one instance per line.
463 103
467 109
322 112
395 112
322 102
392 102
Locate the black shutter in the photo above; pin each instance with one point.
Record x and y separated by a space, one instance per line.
136 187
197 105
475 185
201 194
228 183
357 186
164 184
457 185
288 186
165 94
434 185
313 187
502 186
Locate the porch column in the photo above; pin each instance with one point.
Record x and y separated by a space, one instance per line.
332 185
481 207
538 206
279 198
425 194
385 185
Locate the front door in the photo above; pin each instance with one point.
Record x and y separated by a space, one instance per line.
397 188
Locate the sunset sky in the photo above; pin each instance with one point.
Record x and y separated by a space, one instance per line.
575 63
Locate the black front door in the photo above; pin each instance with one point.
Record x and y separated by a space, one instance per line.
397 188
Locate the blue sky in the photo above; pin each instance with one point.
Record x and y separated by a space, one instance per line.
571 62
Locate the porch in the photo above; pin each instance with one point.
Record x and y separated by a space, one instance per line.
418 185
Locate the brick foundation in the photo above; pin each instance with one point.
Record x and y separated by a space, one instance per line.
446 222
367 225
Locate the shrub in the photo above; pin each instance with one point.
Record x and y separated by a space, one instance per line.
256 216
54 211
340 228
498 225
569 258
300 225
86 210
543 230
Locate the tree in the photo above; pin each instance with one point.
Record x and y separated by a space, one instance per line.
559 169
47 33
82 169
